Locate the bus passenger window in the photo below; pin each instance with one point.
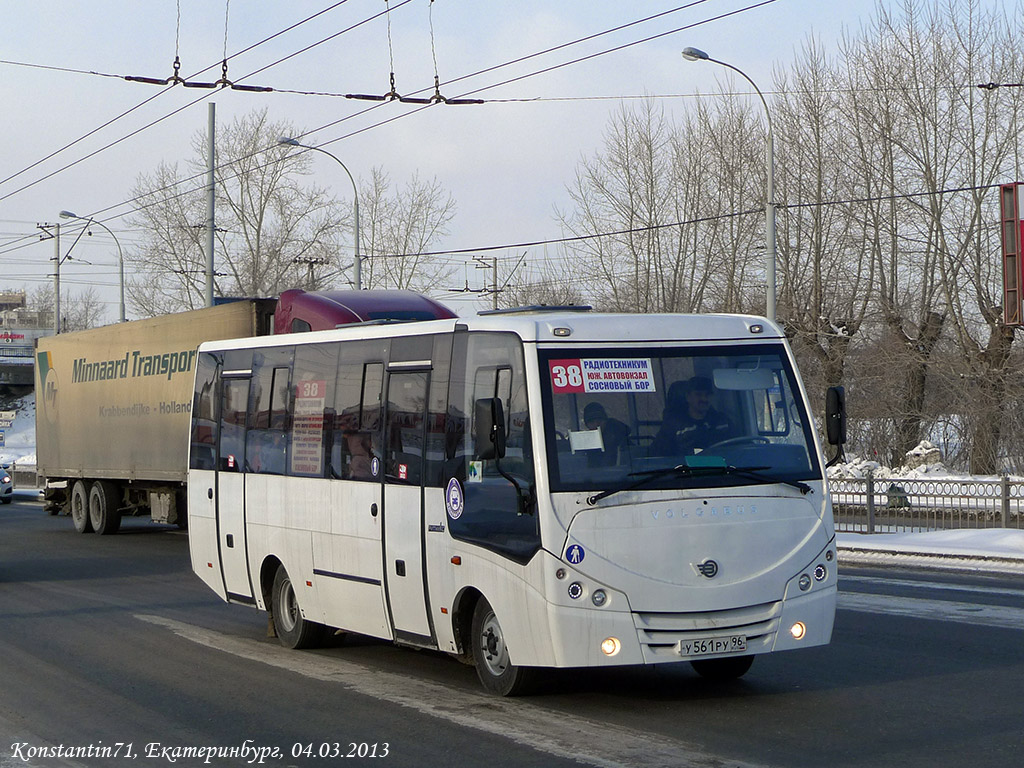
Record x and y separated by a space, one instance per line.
203 451
356 418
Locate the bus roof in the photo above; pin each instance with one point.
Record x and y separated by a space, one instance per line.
564 327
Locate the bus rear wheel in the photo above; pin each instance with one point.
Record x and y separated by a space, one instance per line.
494 667
729 668
293 631
80 507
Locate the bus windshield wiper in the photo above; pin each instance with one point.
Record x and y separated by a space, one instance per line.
701 468
645 477
756 473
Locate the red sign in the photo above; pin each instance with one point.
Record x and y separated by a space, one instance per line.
566 376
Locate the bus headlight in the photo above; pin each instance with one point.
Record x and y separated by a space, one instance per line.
599 598
610 646
805 583
798 630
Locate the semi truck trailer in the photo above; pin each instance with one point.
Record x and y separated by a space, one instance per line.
114 404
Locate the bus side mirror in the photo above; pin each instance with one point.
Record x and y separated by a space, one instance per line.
835 415
489 428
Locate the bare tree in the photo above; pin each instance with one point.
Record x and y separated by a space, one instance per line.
655 194
398 227
951 145
78 311
825 264
273 231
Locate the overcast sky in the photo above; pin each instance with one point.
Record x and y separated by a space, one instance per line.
506 164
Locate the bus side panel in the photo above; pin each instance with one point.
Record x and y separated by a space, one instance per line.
202 535
348 559
282 514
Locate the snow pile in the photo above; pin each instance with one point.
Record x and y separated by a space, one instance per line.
923 462
19 446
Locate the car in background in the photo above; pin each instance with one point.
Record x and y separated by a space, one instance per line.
6 484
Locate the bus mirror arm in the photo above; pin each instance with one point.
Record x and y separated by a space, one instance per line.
489 437
524 498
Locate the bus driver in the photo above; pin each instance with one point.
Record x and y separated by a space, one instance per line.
690 424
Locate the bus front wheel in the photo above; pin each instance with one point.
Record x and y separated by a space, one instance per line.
494 667
293 631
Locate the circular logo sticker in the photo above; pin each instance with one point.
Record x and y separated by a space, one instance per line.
454 501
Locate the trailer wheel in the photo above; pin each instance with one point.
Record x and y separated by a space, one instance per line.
495 669
104 511
293 631
80 507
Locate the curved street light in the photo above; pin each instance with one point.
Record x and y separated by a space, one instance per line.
695 54
120 253
357 263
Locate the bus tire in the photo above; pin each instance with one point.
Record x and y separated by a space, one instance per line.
730 668
104 507
80 507
494 667
293 631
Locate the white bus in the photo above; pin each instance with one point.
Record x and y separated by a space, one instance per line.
521 489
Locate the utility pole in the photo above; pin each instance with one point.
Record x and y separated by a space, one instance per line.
52 231
211 191
481 263
310 262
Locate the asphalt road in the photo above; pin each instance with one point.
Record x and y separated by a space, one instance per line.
110 643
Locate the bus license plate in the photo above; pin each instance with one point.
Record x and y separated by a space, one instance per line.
707 646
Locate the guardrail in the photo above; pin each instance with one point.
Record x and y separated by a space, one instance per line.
879 504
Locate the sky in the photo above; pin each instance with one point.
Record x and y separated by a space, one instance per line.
506 163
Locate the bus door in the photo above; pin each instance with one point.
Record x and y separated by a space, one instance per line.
404 455
230 486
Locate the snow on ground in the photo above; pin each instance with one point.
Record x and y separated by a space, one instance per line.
996 550
988 549
19 446
1001 543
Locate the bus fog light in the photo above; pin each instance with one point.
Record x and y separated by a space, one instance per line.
599 598
798 631
610 646
820 573
805 583
575 590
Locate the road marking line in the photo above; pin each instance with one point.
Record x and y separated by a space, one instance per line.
938 610
563 735
934 585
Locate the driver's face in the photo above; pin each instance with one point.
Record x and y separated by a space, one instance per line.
699 402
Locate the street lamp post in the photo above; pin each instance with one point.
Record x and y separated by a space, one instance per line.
357 262
695 54
120 253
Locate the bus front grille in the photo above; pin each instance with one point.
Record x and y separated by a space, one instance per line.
661 634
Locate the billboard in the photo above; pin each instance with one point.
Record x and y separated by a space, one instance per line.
1010 215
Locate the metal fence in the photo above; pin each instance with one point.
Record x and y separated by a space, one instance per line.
879 504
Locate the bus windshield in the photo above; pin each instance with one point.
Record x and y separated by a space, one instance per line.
614 416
